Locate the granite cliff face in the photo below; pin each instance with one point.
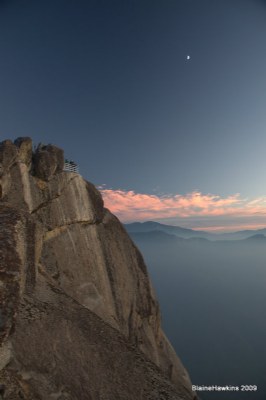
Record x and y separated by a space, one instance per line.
78 316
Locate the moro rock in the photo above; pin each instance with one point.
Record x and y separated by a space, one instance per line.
78 316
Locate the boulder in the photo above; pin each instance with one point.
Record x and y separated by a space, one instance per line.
48 160
8 154
24 145
59 156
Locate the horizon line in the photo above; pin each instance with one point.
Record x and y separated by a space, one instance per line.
209 229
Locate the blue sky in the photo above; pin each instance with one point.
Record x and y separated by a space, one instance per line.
110 83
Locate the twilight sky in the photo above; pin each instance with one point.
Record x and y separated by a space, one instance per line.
168 139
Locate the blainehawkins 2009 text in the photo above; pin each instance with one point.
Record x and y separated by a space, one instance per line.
227 388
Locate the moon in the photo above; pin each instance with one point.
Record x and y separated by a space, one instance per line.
188 57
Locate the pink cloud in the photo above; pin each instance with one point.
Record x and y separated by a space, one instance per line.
130 206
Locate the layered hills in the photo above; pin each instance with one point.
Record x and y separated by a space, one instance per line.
185 233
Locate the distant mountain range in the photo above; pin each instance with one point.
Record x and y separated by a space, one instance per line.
168 233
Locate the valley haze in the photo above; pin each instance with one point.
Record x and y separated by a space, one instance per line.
211 288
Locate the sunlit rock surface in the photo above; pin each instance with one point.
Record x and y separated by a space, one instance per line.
78 316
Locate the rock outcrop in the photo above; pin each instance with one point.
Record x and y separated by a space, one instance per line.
78 316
